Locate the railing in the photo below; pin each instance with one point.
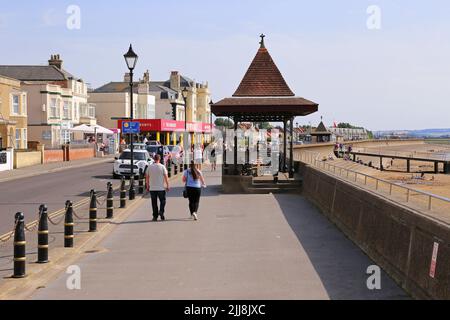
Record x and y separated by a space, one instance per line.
396 192
437 156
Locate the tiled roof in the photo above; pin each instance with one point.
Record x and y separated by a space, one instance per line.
125 87
263 78
295 106
35 73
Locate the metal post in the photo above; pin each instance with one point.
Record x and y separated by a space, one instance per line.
291 152
93 212
235 146
285 147
110 202
43 235
141 181
19 246
69 226
123 194
132 192
407 195
429 202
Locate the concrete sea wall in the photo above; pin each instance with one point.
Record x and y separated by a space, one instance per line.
398 239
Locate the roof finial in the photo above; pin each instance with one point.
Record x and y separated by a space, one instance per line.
262 40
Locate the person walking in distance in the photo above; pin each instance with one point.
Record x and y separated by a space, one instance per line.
156 178
194 181
213 159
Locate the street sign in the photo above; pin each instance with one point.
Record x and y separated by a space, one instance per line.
434 260
131 127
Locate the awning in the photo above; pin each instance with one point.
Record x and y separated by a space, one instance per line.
91 129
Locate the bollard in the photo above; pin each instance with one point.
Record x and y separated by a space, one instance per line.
141 181
123 194
110 202
43 235
93 212
68 226
169 168
19 246
131 191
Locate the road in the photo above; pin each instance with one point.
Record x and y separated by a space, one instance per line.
243 247
52 189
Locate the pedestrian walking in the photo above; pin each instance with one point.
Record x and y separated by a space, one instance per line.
194 181
198 156
213 159
157 184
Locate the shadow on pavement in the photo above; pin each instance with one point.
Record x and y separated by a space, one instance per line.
340 264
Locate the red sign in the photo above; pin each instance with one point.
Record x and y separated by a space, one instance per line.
434 260
163 125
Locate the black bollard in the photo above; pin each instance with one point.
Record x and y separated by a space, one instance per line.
141 181
131 191
123 194
68 226
169 168
43 235
93 212
19 246
110 202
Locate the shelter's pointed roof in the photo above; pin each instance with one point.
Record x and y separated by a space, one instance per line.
263 78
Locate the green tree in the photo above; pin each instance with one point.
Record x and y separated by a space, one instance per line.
224 122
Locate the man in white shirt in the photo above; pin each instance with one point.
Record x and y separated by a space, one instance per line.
156 178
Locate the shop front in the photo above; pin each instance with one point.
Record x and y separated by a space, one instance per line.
171 132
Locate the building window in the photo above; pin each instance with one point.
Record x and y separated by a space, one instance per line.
15 104
53 108
66 110
18 138
25 138
24 104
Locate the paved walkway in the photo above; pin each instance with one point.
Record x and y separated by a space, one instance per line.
50 167
243 247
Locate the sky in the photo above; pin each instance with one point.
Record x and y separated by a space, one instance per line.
381 64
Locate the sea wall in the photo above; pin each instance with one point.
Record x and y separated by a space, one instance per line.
398 239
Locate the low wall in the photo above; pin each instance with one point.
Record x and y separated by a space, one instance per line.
27 159
53 156
398 239
78 154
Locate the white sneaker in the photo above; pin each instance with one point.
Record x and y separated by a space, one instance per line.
195 216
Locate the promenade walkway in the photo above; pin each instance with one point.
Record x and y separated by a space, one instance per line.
243 247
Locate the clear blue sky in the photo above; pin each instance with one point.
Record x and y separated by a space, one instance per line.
397 77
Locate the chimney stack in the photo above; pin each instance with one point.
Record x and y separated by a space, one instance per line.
175 81
56 61
146 77
127 77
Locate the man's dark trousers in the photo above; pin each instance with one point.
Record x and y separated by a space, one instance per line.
155 195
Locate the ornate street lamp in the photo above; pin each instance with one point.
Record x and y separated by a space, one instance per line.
185 93
131 59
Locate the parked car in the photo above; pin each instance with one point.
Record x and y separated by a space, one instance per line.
140 146
122 165
153 143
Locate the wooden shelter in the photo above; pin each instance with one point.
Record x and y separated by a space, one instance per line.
264 96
